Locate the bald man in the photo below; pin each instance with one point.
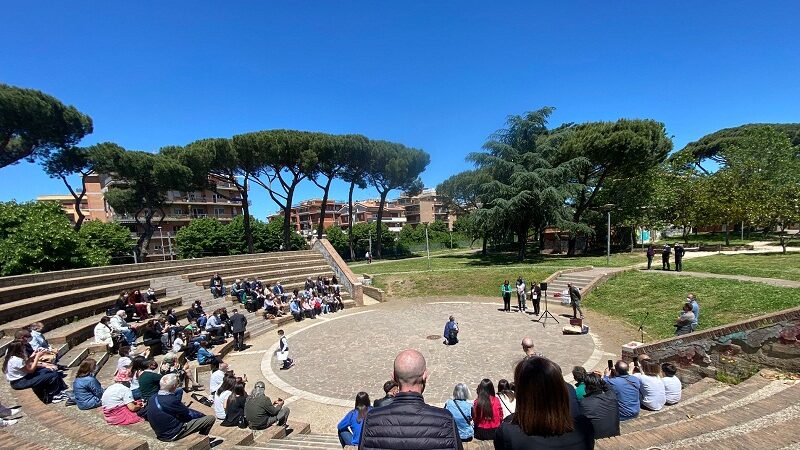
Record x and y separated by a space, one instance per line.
408 417
627 389
527 347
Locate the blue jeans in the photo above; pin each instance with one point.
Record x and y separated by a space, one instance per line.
345 437
130 336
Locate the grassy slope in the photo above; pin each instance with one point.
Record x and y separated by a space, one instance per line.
767 265
630 296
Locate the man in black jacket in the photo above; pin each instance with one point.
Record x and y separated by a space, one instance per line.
238 326
390 388
408 422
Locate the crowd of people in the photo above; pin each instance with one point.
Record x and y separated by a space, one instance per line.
537 409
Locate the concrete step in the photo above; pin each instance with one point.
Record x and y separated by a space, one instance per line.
227 272
774 436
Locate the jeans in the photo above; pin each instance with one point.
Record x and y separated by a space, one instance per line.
649 261
45 383
345 437
238 339
521 302
129 335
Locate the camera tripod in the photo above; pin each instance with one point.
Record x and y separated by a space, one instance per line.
546 314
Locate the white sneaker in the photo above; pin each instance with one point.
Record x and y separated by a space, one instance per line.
58 399
15 411
9 422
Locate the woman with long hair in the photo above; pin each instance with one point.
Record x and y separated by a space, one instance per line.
542 419
505 393
461 409
486 411
22 373
222 394
86 389
234 411
651 389
350 426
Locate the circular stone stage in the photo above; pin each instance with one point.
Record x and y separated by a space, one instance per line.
338 355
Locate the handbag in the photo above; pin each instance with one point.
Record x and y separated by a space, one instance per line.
202 399
469 421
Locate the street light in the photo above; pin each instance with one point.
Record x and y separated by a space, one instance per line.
163 255
608 207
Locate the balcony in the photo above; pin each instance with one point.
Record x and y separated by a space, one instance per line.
205 201
127 218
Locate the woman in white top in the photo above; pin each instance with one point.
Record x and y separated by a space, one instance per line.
221 396
672 385
506 396
102 332
651 391
22 373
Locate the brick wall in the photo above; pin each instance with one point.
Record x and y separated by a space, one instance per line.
771 340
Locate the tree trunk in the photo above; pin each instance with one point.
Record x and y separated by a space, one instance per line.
287 217
727 235
573 243
321 226
522 236
248 230
379 223
685 236
143 244
350 220
483 247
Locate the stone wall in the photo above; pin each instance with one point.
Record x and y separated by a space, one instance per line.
342 271
772 340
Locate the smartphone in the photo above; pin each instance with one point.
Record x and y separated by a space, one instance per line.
636 361
610 364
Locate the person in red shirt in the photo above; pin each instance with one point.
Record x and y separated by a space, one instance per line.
486 411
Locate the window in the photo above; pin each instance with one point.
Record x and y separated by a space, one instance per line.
198 212
219 211
215 198
177 211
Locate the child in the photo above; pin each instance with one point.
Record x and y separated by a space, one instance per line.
283 351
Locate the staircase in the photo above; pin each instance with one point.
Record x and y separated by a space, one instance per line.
300 442
578 279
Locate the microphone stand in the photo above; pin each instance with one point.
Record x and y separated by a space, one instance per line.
546 313
641 325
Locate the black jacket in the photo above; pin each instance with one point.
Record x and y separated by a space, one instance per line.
602 409
510 437
385 401
238 323
409 424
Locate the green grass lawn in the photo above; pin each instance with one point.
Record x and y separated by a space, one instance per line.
713 238
630 296
475 281
767 265
467 262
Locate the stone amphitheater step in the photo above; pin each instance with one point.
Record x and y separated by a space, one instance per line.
21 308
778 435
676 432
10 441
61 314
162 267
226 272
80 279
274 275
705 405
300 442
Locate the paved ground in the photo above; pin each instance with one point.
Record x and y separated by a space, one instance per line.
346 354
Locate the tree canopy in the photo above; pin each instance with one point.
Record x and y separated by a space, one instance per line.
33 123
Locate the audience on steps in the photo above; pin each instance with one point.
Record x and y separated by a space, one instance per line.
261 412
234 407
87 391
390 390
461 409
487 413
119 406
505 393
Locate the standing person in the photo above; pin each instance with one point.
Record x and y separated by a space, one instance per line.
626 387
505 290
665 252
692 299
451 332
283 351
368 257
461 409
408 417
575 300
238 326
543 417
521 294
679 252
536 297
486 411
349 428
651 253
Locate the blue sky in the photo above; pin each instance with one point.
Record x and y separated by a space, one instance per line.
440 76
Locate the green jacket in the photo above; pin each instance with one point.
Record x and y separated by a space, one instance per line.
505 289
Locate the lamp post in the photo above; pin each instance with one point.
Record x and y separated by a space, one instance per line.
427 247
608 207
163 254
169 242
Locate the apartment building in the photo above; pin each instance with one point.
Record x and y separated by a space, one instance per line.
426 207
304 218
367 211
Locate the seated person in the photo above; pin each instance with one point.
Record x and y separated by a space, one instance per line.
47 358
237 289
217 286
38 341
152 338
120 326
672 385
295 309
123 305
136 300
204 356
119 407
195 311
349 428
461 409
170 419
23 372
651 389
171 365
600 406
279 291
103 334
626 388
149 380
390 389
221 395
308 285
151 301
578 374
685 320
317 304
214 325
87 390
308 309
234 411
261 412
269 306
